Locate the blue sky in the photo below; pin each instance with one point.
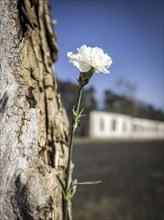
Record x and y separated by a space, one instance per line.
131 32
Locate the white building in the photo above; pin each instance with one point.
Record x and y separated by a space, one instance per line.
112 125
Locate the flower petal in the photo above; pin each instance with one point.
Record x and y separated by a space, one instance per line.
88 57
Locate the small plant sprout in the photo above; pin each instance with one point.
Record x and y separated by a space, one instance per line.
88 60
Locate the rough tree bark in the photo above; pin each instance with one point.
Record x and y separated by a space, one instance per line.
33 123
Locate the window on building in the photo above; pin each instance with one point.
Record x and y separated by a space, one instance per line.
135 127
124 126
114 124
101 124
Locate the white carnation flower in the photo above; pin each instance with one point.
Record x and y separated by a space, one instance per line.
88 58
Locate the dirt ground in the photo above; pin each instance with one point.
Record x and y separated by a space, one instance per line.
133 180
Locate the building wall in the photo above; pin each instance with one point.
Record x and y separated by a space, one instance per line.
111 125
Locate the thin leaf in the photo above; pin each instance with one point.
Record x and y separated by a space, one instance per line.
85 183
61 184
73 187
82 110
89 183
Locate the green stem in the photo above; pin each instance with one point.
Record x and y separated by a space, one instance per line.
68 171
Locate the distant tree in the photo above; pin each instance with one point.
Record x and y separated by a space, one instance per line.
68 91
118 103
123 104
90 102
126 88
148 111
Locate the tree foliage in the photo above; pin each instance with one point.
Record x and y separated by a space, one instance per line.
123 104
68 91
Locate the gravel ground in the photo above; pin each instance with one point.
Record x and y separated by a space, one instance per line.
133 181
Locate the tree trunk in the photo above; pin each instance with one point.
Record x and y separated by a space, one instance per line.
33 123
